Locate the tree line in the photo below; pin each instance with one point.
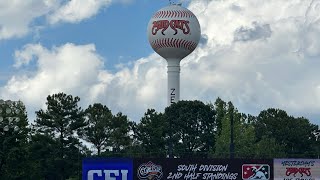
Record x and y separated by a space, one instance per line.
53 146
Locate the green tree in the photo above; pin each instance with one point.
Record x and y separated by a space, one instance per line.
289 132
97 131
191 128
150 133
268 148
244 134
44 162
61 120
43 150
121 133
221 111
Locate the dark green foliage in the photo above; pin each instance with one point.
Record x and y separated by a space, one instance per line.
293 134
268 147
60 122
43 153
191 128
98 119
51 148
120 138
151 132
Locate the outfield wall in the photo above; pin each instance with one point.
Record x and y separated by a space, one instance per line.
192 169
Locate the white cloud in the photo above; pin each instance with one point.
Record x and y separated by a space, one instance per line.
77 10
79 70
69 68
274 64
16 16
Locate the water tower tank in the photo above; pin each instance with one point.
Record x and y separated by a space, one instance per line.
174 33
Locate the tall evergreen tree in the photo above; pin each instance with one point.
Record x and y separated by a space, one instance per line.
62 119
121 133
151 133
97 131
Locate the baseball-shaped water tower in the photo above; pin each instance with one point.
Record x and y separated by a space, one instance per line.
174 33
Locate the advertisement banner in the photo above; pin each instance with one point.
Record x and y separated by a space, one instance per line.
297 169
107 169
191 169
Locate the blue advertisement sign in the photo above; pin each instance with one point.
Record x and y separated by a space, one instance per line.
107 169
177 168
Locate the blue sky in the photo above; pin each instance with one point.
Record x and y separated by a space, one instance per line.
117 37
251 54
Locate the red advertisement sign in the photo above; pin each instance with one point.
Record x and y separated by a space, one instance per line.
255 171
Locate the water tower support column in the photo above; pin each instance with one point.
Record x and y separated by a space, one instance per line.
173 81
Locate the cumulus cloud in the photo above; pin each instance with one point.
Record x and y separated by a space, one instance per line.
258 31
17 17
262 54
79 70
77 10
271 63
69 67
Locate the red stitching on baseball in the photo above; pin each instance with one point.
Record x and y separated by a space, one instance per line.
163 43
174 13
173 43
179 43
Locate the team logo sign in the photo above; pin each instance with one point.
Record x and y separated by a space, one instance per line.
149 171
163 25
302 172
255 171
106 169
297 169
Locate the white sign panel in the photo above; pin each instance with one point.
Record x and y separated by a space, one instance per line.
296 169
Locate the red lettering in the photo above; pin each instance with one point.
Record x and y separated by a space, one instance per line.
163 25
301 171
305 171
158 25
180 24
293 171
